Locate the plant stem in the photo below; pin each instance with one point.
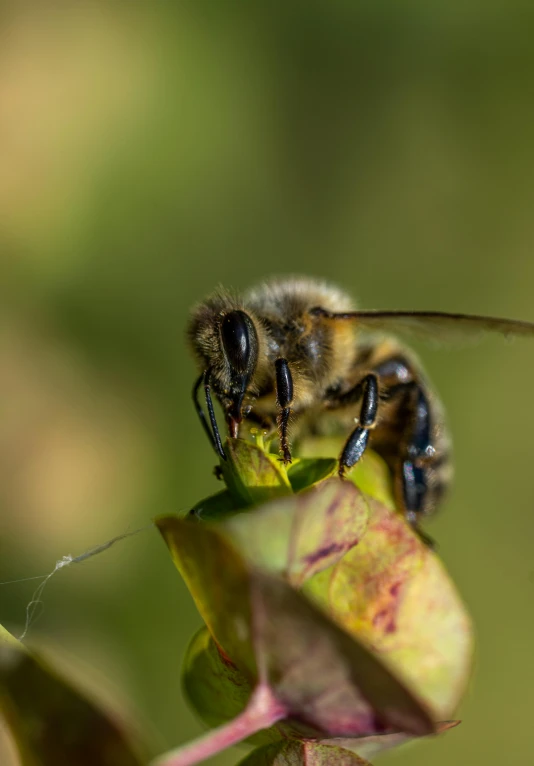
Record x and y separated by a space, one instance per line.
262 711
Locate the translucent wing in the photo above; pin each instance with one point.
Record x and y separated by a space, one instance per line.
436 325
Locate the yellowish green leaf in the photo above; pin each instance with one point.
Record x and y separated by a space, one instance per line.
252 475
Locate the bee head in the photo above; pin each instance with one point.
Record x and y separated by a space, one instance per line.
239 343
225 341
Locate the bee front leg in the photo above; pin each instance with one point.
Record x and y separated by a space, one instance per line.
355 446
213 435
284 400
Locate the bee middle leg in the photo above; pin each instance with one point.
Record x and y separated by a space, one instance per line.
367 391
406 441
416 474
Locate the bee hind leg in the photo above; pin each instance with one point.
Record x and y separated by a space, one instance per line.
416 481
406 436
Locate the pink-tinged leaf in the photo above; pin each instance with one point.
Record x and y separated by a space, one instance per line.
303 753
368 747
299 595
392 592
303 534
218 692
274 636
51 722
262 710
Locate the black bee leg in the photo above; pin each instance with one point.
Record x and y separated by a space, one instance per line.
405 437
417 485
200 411
419 465
213 433
355 446
284 400
211 413
418 449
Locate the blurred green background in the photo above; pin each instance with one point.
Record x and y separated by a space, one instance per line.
150 151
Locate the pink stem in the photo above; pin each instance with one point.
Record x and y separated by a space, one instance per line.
262 711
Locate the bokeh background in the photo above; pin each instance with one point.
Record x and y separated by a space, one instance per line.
150 151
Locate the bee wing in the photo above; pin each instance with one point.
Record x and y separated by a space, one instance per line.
438 325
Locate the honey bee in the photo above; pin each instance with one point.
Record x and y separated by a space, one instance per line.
294 351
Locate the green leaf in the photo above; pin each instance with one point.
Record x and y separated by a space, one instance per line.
370 474
252 475
215 507
304 472
272 634
51 722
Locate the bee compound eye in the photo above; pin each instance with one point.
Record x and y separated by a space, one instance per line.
239 340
